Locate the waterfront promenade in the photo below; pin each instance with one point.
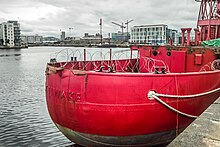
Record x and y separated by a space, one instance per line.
203 132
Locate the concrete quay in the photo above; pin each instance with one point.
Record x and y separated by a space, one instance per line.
203 132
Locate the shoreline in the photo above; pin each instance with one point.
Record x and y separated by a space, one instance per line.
104 46
15 47
81 45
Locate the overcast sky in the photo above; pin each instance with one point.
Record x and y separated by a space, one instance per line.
48 17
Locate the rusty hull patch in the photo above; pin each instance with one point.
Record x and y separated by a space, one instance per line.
78 72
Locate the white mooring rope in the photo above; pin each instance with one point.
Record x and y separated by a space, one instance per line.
153 94
187 96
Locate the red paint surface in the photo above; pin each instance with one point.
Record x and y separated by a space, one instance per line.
198 59
182 59
116 104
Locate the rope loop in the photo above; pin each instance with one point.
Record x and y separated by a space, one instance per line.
153 95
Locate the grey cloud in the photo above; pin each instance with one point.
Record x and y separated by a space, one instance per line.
84 15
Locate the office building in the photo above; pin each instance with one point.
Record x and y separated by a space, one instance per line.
152 34
32 39
62 36
118 36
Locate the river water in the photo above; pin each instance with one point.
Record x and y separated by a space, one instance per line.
24 119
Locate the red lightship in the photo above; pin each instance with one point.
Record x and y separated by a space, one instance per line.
141 101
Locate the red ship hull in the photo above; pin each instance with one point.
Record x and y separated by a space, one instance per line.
114 109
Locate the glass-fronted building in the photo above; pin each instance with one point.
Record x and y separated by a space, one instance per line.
118 36
152 34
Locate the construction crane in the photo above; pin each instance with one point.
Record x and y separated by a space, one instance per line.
208 24
100 23
127 27
122 28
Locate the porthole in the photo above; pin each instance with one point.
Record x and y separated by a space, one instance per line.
168 53
154 53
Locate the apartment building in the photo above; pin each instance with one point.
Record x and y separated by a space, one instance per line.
10 33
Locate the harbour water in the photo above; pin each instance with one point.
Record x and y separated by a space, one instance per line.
24 119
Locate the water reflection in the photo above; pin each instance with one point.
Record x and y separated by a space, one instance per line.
24 119
6 55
